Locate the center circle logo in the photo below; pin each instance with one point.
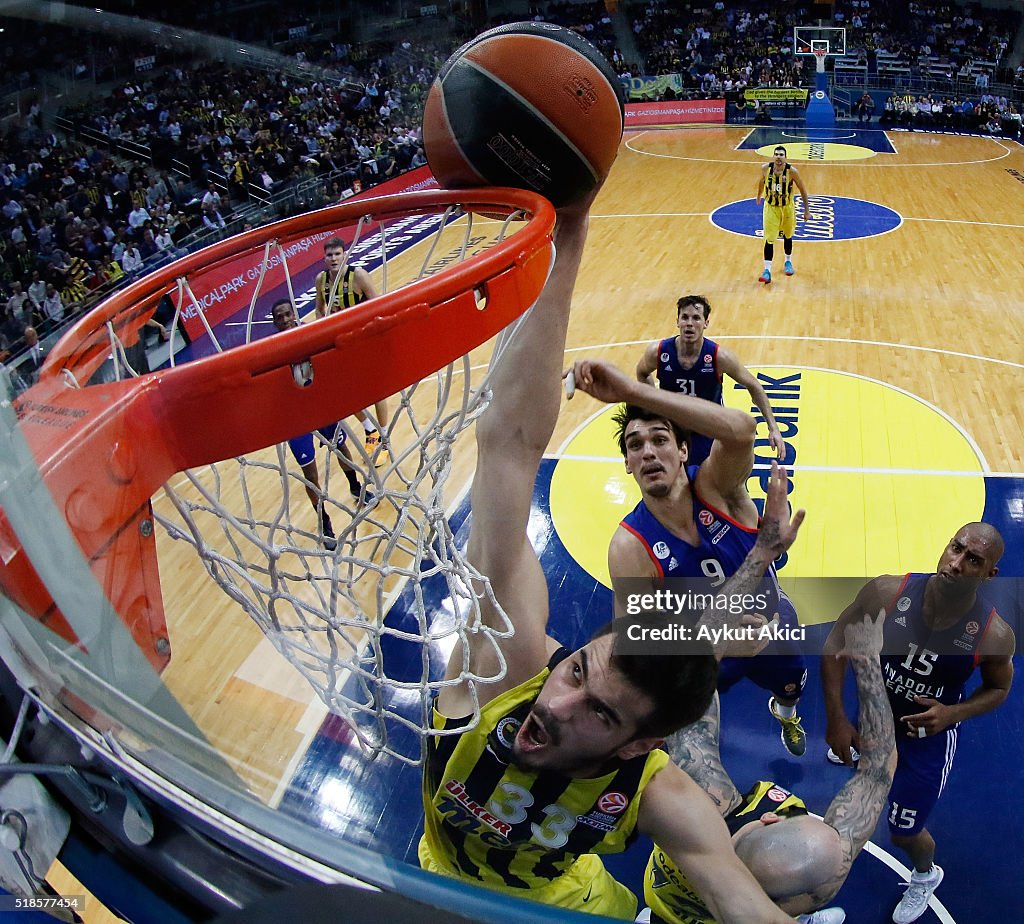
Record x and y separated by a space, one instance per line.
832 218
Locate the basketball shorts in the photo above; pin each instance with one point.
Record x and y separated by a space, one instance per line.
921 773
303 447
586 886
779 218
700 449
780 668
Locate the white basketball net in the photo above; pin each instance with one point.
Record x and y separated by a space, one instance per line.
330 612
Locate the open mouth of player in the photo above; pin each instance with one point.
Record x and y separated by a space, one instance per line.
532 735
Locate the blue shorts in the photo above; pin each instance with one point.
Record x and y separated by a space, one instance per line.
921 773
700 449
780 668
302 446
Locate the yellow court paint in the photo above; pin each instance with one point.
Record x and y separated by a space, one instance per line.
818 150
860 521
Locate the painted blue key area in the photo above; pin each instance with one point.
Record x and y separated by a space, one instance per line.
378 803
872 139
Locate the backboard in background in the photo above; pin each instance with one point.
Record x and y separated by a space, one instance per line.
808 38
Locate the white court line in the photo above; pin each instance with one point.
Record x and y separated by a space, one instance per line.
880 853
655 215
810 140
870 162
962 221
709 216
830 469
889 860
881 343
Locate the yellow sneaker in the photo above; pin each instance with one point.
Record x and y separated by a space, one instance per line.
793 735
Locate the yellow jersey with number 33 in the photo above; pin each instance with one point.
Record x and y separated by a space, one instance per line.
492 822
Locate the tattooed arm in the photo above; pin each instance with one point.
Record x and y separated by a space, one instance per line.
855 810
695 750
775 535
695 747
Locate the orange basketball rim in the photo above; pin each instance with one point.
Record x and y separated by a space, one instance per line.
104 450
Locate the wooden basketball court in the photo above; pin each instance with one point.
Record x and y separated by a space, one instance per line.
896 353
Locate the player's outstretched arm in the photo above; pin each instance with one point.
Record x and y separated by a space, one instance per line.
512 435
855 810
732 455
775 536
609 384
681 820
729 363
840 733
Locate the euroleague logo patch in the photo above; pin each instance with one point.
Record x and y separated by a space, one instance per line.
613 803
831 218
778 794
706 517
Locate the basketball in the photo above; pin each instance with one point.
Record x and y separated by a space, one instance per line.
530 105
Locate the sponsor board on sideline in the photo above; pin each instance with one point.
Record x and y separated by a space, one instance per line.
671 112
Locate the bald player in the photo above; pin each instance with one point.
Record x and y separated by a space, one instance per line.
938 629
800 861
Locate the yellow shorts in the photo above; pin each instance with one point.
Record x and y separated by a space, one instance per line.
779 218
587 886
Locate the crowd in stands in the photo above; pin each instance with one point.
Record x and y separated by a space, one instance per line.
989 114
77 219
928 38
721 47
74 222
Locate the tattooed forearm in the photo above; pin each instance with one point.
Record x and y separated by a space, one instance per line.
855 810
745 581
877 738
694 749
